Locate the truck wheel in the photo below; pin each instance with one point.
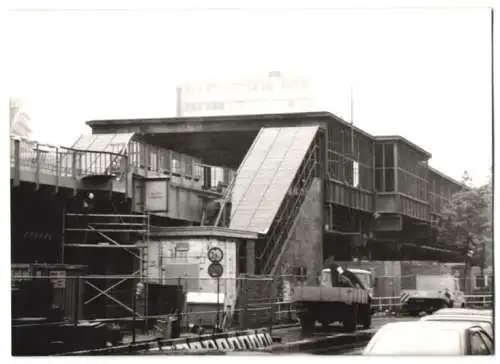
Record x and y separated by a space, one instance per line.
350 321
366 320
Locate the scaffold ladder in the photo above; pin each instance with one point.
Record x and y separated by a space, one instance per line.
104 225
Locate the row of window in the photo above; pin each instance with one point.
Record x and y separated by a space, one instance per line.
347 141
164 160
273 85
350 172
249 105
412 186
384 155
202 106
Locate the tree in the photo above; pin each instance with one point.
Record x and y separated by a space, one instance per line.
468 215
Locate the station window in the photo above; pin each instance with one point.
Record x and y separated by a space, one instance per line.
389 180
355 171
389 155
379 153
384 167
379 180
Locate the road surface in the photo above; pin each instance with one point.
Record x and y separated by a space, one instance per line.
294 334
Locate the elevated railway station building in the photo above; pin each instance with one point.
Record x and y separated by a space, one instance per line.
137 197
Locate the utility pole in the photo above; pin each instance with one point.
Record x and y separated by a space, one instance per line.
352 121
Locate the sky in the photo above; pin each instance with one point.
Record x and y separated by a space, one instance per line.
421 74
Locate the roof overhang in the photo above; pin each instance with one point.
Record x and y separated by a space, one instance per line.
201 231
216 140
442 175
397 138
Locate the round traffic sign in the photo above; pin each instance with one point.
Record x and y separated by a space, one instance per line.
215 270
215 255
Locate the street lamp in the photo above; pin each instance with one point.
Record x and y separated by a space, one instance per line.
139 289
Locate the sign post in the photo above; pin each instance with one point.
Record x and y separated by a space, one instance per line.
215 270
218 304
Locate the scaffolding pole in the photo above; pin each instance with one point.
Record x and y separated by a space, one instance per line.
103 227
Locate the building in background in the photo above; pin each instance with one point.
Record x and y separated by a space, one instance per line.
273 92
264 93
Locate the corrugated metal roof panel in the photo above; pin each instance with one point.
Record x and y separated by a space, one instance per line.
266 175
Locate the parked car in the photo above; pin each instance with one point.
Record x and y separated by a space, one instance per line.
430 338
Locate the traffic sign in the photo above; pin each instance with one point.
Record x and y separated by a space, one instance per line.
215 255
215 270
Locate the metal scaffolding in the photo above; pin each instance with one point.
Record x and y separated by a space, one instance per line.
106 226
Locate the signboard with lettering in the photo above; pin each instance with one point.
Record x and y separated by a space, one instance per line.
156 195
287 291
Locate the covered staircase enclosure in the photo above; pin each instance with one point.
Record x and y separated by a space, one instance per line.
270 187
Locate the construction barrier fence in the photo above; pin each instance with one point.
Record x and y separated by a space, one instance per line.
243 303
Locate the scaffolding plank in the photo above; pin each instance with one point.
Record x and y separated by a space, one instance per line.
121 246
139 231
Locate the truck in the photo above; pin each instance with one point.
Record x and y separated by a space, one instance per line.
428 293
341 296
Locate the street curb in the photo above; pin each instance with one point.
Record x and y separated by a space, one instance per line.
191 335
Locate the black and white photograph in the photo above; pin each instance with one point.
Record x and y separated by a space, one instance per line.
223 178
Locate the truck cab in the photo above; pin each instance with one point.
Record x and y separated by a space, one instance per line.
367 279
340 297
429 293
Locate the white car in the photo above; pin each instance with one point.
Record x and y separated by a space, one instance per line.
485 321
463 311
430 338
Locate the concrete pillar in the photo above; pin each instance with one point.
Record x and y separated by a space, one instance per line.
250 253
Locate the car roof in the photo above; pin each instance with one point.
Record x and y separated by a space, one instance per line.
455 325
463 311
472 318
409 330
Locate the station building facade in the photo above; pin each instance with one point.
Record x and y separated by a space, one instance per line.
297 189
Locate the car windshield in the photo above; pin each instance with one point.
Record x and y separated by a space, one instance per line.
421 341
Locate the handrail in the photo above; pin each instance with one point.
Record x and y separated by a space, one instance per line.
60 161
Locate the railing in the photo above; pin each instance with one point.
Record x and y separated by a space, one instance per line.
471 301
62 161
67 162
288 211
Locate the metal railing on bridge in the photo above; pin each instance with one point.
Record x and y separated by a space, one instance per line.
60 162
